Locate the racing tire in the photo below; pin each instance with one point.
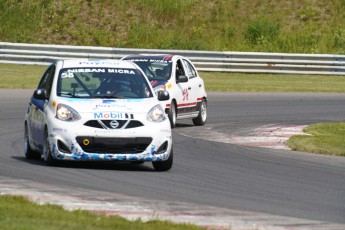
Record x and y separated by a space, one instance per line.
29 153
172 114
202 116
47 154
164 165
137 162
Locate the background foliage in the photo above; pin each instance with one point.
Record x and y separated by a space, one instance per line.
294 26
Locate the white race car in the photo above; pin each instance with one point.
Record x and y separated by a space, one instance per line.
97 110
177 75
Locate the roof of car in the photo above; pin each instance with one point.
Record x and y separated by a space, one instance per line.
108 63
164 57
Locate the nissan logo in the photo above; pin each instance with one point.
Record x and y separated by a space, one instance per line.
114 124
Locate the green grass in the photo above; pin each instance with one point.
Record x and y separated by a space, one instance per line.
19 213
27 76
323 138
20 76
226 25
272 82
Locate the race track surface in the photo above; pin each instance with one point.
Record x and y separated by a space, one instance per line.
205 172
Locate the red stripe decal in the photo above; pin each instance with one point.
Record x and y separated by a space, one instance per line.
186 104
154 83
167 58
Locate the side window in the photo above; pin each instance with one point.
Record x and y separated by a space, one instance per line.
179 68
47 79
190 71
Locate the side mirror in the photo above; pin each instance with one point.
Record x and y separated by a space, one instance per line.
41 94
181 78
163 95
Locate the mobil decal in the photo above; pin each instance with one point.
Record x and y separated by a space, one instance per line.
112 115
106 115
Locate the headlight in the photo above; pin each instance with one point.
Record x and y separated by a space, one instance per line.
156 114
66 113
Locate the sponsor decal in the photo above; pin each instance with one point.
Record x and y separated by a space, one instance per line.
124 71
112 131
138 60
98 63
185 94
69 73
54 104
112 115
106 115
59 130
166 60
110 104
168 57
108 101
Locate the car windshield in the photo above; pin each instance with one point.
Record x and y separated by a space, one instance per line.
154 69
102 83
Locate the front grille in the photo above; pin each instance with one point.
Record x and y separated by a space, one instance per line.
94 124
134 124
120 123
113 145
107 124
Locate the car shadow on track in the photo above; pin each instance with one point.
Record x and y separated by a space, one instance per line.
183 125
96 165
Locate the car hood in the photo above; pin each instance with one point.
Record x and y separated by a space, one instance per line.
138 106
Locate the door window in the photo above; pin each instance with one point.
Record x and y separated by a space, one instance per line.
47 79
190 71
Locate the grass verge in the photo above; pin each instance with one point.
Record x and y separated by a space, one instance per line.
240 82
324 138
14 76
19 213
27 76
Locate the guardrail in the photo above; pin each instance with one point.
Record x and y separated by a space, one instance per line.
246 62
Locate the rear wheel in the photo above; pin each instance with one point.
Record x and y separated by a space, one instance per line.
172 114
164 165
47 155
29 153
202 116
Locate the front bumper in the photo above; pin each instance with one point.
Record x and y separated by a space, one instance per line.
151 142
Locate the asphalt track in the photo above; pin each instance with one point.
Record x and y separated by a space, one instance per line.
262 180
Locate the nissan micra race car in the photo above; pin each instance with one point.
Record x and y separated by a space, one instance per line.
177 75
97 110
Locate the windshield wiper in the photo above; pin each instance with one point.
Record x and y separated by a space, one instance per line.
69 95
106 96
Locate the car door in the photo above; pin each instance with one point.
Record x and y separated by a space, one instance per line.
183 92
194 84
36 117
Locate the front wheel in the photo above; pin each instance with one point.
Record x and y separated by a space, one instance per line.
202 116
164 165
172 114
29 153
47 154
